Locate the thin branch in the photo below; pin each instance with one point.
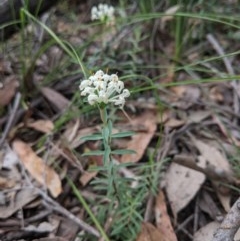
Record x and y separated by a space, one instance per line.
55 206
229 68
11 118
230 224
50 203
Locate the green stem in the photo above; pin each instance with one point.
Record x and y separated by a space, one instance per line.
86 207
106 133
107 158
104 115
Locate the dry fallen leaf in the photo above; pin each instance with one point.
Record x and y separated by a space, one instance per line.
76 140
150 233
8 90
237 235
209 206
45 126
182 184
71 130
217 93
6 183
164 116
173 123
225 200
185 96
206 232
38 168
93 161
198 116
87 177
163 221
22 197
140 140
187 92
58 100
215 159
169 15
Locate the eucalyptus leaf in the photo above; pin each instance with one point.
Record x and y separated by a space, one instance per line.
123 152
123 134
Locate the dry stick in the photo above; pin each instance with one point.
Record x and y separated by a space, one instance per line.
196 216
229 68
11 118
58 208
230 224
162 153
211 172
53 205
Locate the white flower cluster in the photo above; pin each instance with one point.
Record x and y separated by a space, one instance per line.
104 88
103 12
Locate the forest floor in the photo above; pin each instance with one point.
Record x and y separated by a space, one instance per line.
180 62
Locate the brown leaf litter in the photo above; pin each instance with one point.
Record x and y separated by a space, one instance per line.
37 167
197 128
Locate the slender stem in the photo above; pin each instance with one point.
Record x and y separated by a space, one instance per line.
87 208
107 159
104 115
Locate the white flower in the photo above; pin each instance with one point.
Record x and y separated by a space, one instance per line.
103 12
103 88
84 84
87 91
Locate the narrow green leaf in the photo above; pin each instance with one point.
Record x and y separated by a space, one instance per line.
123 151
103 182
93 137
106 155
123 134
93 153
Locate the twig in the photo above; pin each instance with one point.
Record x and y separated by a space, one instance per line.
196 216
230 224
50 203
38 216
212 173
184 223
11 118
53 205
229 68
